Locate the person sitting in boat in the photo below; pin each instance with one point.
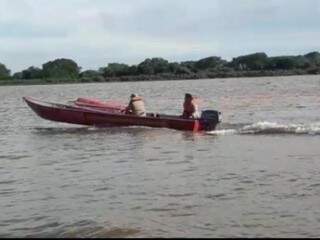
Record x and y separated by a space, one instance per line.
136 106
190 107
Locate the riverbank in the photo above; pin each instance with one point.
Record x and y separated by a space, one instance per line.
154 69
164 77
213 75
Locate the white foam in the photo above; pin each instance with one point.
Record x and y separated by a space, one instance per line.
272 128
276 128
223 132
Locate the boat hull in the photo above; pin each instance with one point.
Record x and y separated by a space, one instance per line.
87 116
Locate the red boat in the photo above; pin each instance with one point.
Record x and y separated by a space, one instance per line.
94 112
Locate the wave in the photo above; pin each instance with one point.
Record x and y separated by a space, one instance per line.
271 128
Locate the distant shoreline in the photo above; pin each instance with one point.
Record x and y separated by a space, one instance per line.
259 64
161 77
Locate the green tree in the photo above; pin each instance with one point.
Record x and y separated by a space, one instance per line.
17 75
4 72
146 67
314 58
189 65
301 62
176 68
61 68
32 73
255 61
133 70
116 70
287 62
90 74
210 62
153 66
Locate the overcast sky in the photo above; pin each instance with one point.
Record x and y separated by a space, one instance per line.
97 32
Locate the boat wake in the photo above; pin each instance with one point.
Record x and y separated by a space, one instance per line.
270 128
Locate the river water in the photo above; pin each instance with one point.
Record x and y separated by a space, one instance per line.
258 175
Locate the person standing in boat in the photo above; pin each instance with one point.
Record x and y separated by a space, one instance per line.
190 107
136 106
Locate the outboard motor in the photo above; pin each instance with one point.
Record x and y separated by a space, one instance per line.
210 119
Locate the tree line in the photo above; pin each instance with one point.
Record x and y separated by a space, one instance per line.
256 64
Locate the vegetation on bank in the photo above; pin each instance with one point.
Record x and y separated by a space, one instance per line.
256 64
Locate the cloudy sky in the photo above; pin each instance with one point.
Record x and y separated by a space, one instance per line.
96 32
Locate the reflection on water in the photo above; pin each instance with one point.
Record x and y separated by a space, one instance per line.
60 180
92 130
139 132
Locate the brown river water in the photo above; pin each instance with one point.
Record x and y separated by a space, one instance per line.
257 175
